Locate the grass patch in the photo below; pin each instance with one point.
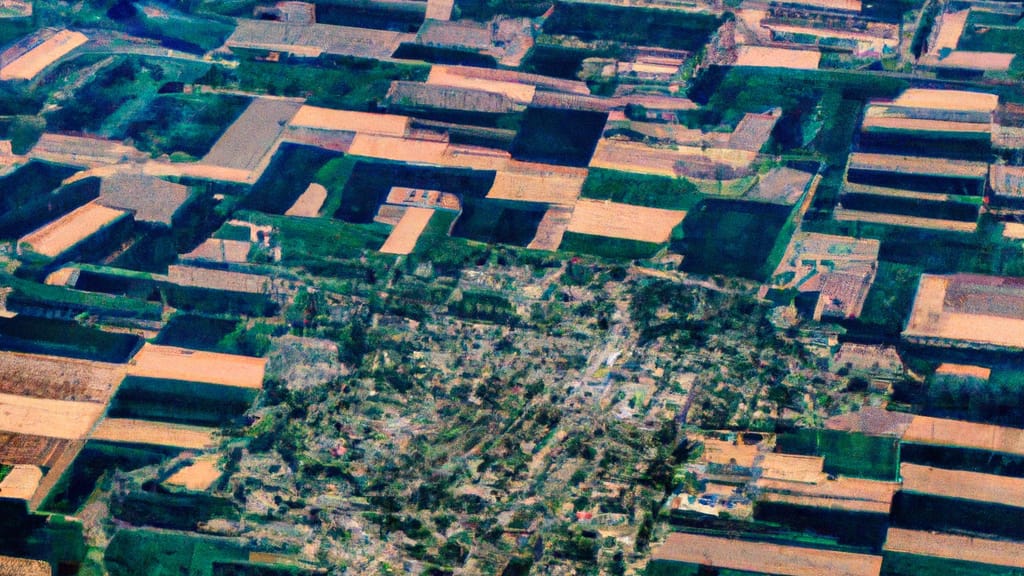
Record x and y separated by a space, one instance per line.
342 82
846 453
140 552
184 123
309 239
290 172
632 25
641 190
30 182
617 248
447 255
65 338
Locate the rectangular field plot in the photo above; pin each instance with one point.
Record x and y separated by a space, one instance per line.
251 137
53 418
170 363
42 451
58 236
177 401
731 237
57 378
625 221
955 547
125 430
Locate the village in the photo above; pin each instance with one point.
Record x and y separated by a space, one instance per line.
538 287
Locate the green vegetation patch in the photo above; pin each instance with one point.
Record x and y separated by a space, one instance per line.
731 237
891 297
92 465
484 306
901 564
342 82
184 123
849 454
65 338
447 255
215 335
180 402
316 244
22 130
641 190
566 137
172 510
498 222
34 296
31 182
631 25
290 172
140 552
606 247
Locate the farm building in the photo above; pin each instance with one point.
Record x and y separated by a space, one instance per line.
43 49
312 40
695 550
968 310
149 199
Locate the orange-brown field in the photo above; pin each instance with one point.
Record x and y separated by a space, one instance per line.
931 318
793 468
400 149
845 215
601 218
57 236
171 363
348 121
960 100
551 229
52 418
763 56
966 548
447 76
199 475
308 205
58 378
155 433
537 183
842 494
963 485
995 61
964 370
763 557
986 437
403 238
11 566
35 60
220 250
21 482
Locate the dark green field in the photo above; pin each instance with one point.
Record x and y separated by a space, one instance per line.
180 402
641 190
849 454
190 124
607 247
731 237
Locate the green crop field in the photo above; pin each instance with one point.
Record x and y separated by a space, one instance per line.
140 552
849 454
180 402
731 237
607 247
641 190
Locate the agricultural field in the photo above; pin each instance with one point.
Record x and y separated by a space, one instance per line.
183 124
64 233
252 135
731 237
649 27
540 138
641 190
57 378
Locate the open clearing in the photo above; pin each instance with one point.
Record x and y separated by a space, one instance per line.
601 218
766 57
58 378
403 238
308 204
966 548
155 433
756 556
250 138
61 234
35 60
349 121
199 475
171 363
53 418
